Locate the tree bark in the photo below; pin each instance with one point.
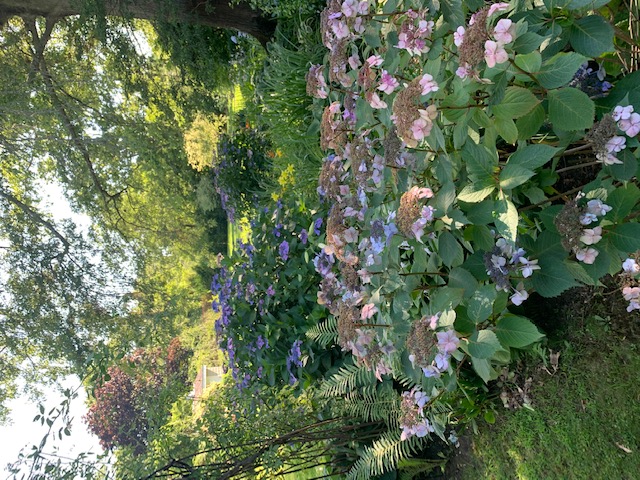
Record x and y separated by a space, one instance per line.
212 13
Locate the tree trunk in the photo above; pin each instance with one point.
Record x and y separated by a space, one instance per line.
213 13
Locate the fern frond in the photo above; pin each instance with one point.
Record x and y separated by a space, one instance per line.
381 404
324 333
384 455
348 379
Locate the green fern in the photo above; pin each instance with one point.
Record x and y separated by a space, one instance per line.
384 455
324 333
378 404
346 380
410 468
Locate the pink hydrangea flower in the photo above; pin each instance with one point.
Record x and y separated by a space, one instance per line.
428 84
458 36
388 83
504 31
587 255
464 71
498 7
447 341
494 53
375 60
622 113
631 125
368 311
616 144
591 236
375 101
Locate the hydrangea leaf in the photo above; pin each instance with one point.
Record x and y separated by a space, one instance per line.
517 332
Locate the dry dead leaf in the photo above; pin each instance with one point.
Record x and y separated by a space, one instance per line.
623 448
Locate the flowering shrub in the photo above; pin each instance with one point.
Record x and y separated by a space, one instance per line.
242 163
454 133
266 297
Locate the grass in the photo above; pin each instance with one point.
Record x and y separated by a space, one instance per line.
586 422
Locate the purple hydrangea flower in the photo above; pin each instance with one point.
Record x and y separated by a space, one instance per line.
283 250
316 226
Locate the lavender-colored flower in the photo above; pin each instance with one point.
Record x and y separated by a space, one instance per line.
283 250
447 341
323 263
271 291
316 226
631 266
294 360
304 236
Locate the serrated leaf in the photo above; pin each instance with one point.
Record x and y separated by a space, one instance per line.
560 69
507 129
483 344
622 200
625 237
483 369
513 175
553 278
627 169
532 156
517 332
586 4
517 102
461 278
480 305
449 249
527 42
530 62
479 161
475 193
529 124
592 36
507 219
570 109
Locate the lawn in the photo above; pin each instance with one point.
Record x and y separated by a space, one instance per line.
585 421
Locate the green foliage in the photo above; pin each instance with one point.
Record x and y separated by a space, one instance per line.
285 106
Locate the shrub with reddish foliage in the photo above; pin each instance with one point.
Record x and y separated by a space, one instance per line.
137 396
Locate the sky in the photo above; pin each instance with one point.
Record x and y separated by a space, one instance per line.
22 431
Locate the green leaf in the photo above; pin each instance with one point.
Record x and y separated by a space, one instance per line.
570 109
507 129
481 213
553 278
517 332
529 124
587 4
600 267
527 42
483 344
480 305
445 197
475 192
479 161
481 237
622 200
627 169
530 62
551 4
592 36
628 86
625 237
517 102
453 12
450 249
461 278
532 156
560 69
445 298
482 366
513 175
507 218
